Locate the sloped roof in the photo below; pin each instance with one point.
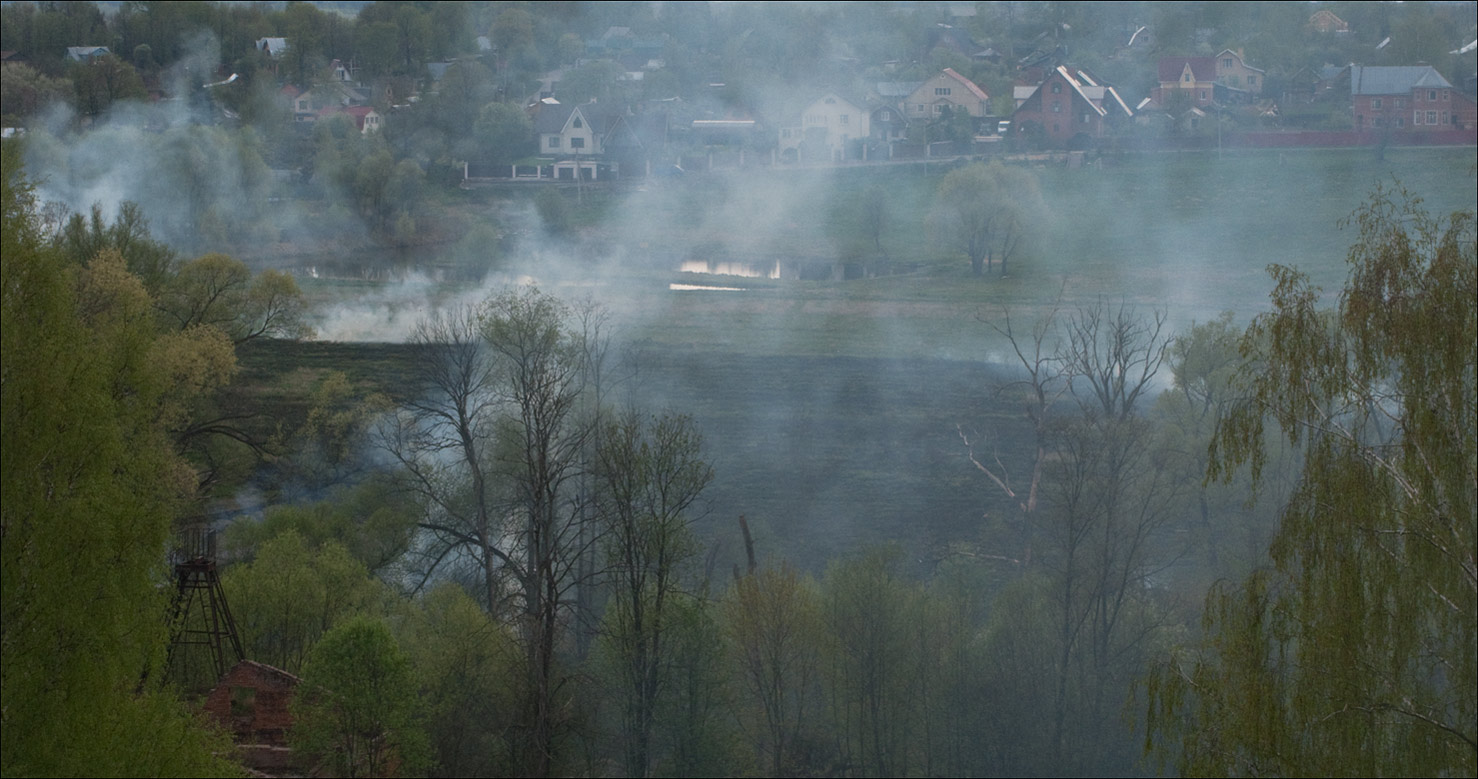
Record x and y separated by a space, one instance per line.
1394 80
1023 92
896 89
968 84
1202 68
552 118
1238 55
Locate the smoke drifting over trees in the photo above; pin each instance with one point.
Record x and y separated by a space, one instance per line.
474 439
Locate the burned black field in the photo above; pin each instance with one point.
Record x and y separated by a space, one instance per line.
822 455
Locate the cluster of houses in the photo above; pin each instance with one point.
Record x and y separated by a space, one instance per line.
1053 105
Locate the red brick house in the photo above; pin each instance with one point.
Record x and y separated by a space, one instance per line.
1070 108
1407 97
251 702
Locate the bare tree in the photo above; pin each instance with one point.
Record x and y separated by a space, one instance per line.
496 448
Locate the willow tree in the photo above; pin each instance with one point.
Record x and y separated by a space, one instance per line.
1354 653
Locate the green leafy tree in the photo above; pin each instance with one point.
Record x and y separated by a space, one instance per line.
649 477
220 291
467 666
772 621
357 706
986 211
91 485
503 133
1354 653
870 615
292 594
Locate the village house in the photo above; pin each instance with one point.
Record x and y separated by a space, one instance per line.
1324 21
1406 97
947 91
1190 79
86 54
1233 72
829 129
577 136
1070 108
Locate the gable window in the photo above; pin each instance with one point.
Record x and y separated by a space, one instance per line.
577 143
1187 77
1056 106
831 101
1085 117
942 91
1056 89
1227 63
578 123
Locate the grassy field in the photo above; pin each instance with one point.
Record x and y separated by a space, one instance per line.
830 407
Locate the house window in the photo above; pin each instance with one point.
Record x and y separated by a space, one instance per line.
578 123
831 101
1416 117
886 116
1056 89
1085 117
1251 81
1375 103
1227 63
1400 103
919 108
1431 95
1400 121
577 143
1203 94
1186 78
1444 117
1233 81
554 142
941 91
1431 117
1445 93
938 109
842 120
1055 128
